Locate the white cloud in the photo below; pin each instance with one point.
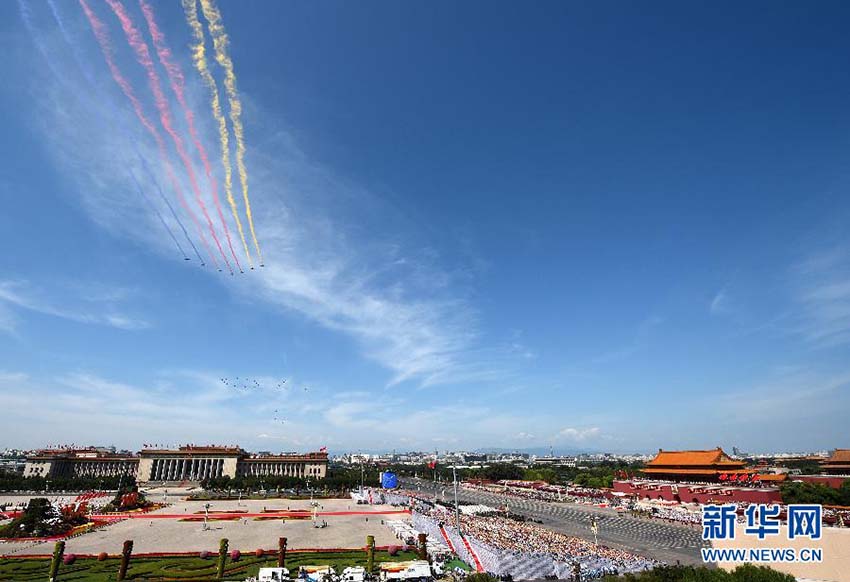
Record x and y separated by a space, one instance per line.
822 296
790 395
177 407
720 303
22 295
333 252
578 434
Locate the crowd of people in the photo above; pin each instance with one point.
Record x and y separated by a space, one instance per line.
549 493
668 514
522 537
832 517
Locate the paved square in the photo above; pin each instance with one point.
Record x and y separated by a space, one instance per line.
162 530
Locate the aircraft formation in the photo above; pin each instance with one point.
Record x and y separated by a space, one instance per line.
197 214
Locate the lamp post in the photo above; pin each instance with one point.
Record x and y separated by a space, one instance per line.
457 507
206 516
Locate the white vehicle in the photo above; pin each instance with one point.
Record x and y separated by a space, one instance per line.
316 573
354 574
413 571
273 575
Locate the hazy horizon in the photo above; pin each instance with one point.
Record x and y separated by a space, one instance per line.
587 226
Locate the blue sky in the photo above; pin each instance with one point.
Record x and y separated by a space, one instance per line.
594 226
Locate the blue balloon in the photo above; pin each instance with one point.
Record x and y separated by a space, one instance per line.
389 480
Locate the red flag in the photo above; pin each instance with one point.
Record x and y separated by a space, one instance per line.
432 465
722 476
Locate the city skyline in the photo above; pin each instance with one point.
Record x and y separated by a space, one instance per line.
536 228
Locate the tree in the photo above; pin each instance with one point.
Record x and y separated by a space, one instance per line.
751 573
370 554
222 557
41 519
502 471
743 573
801 492
126 552
58 551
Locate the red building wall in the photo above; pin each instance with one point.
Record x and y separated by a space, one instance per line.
692 493
828 480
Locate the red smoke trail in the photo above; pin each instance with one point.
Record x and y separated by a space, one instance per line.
175 77
102 37
144 57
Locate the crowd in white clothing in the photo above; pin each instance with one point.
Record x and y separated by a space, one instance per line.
525 537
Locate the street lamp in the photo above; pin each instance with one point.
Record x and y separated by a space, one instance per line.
457 507
206 515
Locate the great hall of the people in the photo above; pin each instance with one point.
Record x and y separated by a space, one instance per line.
183 464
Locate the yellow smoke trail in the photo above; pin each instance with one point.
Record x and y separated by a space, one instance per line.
219 38
200 60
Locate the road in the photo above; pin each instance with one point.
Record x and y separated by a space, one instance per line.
668 542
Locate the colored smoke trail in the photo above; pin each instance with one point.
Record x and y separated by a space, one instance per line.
175 77
82 65
159 215
220 44
140 48
200 60
99 30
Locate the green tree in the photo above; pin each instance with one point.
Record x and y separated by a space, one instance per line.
222 557
751 573
802 492
370 554
58 552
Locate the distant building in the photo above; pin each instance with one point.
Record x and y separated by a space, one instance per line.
185 464
86 462
838 463
694 465
704 476
12 464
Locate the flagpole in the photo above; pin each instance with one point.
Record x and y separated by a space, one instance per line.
457 507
